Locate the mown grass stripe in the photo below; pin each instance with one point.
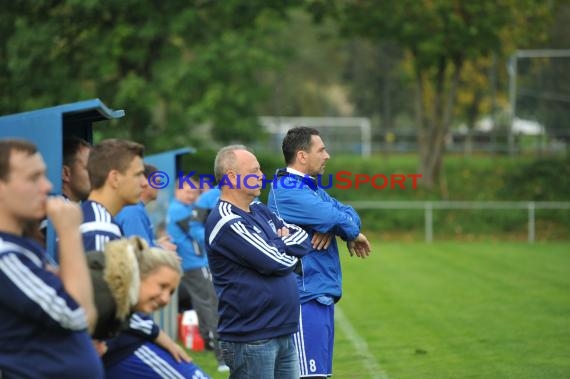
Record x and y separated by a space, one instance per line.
374 369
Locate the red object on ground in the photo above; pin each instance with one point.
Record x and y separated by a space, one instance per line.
188 331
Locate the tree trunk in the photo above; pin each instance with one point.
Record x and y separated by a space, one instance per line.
472 114
433 126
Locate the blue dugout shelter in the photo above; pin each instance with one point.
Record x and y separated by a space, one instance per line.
47 127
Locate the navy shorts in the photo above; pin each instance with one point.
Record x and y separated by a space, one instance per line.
315 339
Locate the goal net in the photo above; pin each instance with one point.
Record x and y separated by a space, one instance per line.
540 93
347 135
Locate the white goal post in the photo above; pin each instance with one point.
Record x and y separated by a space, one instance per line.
278 126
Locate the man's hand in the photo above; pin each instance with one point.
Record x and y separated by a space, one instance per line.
359 246
179 354
65 215
100 347
283 232
321 241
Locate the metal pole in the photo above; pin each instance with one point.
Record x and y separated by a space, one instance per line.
429 221
512 70
365 137
531 229
493 80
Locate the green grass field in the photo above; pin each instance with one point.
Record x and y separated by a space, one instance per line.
453 310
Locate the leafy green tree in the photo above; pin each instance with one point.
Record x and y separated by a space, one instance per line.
439 37
306 80
173 65
379 85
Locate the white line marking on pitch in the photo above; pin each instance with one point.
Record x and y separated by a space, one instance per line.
360 345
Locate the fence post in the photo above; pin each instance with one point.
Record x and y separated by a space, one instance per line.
531 229
429 221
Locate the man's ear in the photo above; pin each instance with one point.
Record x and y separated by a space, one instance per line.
113 178
301 156
66 174
231 176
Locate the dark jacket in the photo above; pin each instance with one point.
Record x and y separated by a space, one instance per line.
252 269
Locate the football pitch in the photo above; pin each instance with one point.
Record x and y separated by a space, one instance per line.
452 310
456 310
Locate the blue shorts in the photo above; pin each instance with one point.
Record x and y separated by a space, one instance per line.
150 361
315 339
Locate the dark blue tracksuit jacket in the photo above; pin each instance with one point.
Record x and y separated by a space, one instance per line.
252 269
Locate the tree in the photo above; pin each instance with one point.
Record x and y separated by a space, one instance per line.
477 95
173 65
377 81
439 37
306 80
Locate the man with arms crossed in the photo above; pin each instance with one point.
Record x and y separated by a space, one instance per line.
252 255
44 316
296 197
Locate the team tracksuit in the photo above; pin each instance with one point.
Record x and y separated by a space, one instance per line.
43 331
252 269
298 199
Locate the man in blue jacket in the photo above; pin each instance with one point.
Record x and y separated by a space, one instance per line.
134 219
296 197
196 286
253 255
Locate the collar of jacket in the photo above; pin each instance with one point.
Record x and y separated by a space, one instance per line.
306 179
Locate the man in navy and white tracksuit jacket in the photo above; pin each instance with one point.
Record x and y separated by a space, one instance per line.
142 350
253 255
44 316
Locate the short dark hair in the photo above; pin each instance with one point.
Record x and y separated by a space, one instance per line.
71 146
6 148
297 139
149 169
111 154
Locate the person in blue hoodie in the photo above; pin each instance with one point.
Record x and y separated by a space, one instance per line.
196 286
253 255
134 219
297 197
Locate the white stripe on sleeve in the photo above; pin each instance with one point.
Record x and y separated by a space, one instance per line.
261 245
42 294
157 363
140 324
